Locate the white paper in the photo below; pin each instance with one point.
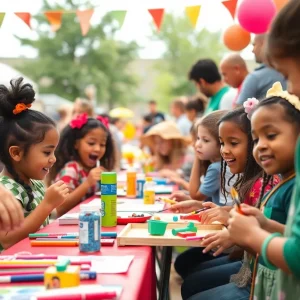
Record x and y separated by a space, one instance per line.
137 205
105 264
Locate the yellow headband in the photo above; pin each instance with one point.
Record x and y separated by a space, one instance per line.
277 91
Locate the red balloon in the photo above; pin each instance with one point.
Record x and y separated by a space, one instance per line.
236 38
256 15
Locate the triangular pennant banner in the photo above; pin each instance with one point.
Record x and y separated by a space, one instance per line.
54 18
84 17
25 17
157 15
119 15
231 6
193 14
2 15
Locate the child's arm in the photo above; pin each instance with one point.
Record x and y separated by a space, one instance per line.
78 193
54 196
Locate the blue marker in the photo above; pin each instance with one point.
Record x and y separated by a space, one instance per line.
110 234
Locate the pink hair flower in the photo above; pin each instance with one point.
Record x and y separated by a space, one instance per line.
79 121
249 106
104 121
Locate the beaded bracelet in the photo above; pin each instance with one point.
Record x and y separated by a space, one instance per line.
264 249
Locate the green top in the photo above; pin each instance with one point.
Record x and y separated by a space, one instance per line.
288 286
215 100
278 205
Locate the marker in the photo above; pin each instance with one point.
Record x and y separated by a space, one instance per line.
110 234
89 275
194 238
35 267
81 296
40 262
73 239
46 234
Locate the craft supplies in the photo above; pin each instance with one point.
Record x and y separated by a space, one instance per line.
189 228
149 191
140 188
89 228
109 199
81 296
62 275
175 218
194 238
54 243
157 227
169 201
131 184
186 234
235 197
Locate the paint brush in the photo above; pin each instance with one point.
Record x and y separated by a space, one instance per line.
235 197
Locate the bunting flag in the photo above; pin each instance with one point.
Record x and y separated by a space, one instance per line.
193 13
54 18
157 15
25 17
119 15
2 15
84 17
231 6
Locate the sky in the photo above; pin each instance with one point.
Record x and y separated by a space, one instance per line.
137 25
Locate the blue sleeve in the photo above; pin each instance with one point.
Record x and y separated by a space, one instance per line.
211 182
249 89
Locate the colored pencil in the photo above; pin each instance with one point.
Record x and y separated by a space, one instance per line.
35 257
40 262
166 200
82 296
46 234
194 238
54 243
34 267
107 234
40 277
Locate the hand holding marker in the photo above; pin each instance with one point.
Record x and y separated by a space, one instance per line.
235 197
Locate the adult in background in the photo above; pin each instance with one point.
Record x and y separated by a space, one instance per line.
82 106
156 116
207 79
234 71
178 112
261 79
195 107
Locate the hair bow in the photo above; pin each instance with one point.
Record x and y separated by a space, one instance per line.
277 91
20 107
103 120
249 106
79 121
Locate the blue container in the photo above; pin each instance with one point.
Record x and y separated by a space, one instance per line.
89 228
140 188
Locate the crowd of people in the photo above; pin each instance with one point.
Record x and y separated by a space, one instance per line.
240 133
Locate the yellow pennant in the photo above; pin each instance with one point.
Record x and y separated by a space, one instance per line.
193 13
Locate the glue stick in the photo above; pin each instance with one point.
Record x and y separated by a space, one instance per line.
131 184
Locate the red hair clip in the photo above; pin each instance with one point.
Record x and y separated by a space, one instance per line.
104 121
79 121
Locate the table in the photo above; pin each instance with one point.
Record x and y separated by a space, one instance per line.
139 283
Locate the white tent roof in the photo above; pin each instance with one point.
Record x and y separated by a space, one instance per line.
7 73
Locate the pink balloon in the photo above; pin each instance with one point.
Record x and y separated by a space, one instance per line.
256 15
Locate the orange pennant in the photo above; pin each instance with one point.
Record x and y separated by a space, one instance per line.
231 6
25 17
54 18
157 15
84 17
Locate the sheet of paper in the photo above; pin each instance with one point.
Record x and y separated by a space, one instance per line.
105 264
137 205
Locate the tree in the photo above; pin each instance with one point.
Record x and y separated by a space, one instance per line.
71 62
183 47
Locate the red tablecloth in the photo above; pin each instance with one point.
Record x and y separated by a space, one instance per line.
138 283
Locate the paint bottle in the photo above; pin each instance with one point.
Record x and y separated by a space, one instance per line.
149 191
131 184
109 199
89 228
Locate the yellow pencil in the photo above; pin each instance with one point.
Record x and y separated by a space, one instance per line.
170 201
27 262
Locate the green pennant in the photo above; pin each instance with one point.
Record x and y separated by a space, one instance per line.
2 15
119 15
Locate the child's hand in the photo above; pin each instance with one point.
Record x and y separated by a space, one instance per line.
56 194
186 206
242 228
180 196
215 213
11 213
167 173
94 176
220 240
255 212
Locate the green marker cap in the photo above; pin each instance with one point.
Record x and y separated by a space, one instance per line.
62 265
109 178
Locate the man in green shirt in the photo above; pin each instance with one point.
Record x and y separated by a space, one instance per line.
207 78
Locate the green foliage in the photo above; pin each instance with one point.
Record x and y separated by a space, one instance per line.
73 62
183 47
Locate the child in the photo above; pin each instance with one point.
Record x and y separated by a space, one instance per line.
28 140
84 143
172 154
275 128
195 107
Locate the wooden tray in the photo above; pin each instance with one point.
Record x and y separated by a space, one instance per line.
137 234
